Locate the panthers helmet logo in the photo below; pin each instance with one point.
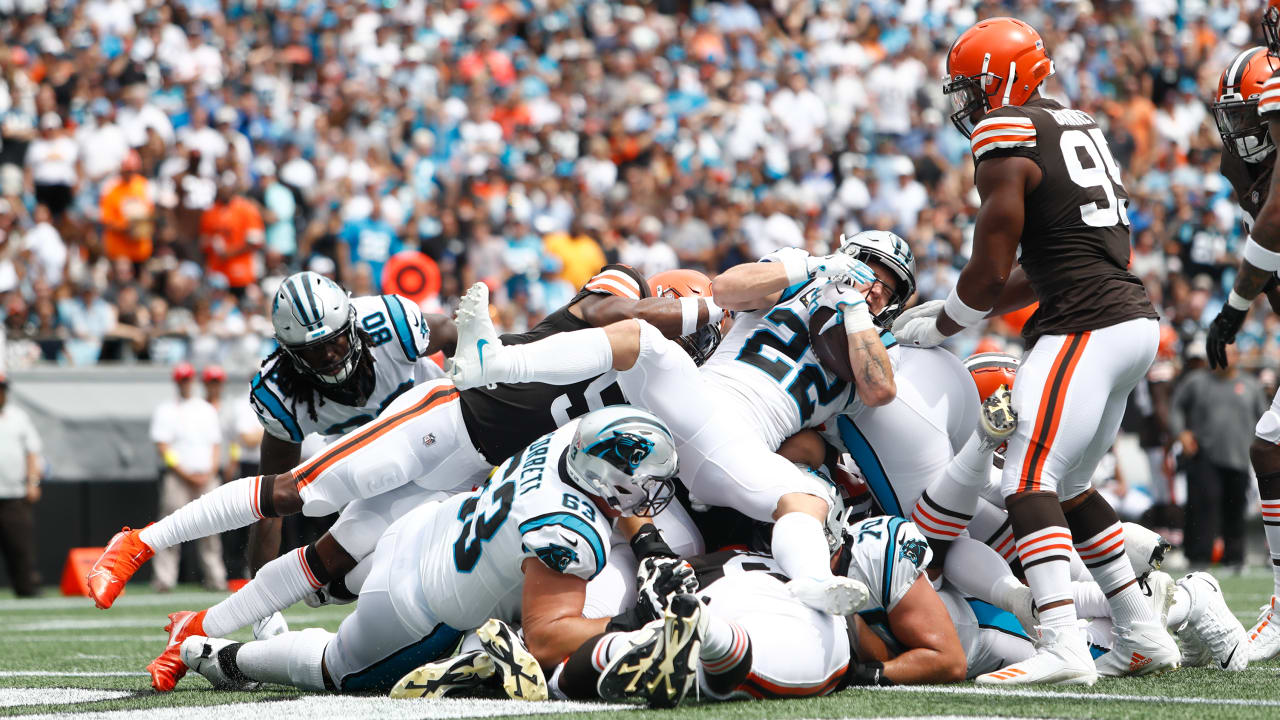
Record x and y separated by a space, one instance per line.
557 557
623 450
914 550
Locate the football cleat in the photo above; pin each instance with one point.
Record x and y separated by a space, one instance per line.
119 561
1062 658
1018 600
167 669
477 341
836 595
515 666
1158 587
460 672
997 419
270 626
1212 624
661 667
1264 636
214 658
1144 548
1142 648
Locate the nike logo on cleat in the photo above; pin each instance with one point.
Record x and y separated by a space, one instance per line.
480 349
1227 662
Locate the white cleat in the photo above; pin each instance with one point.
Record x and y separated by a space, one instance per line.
270 626
1144 548
214 658
1159 589
1062 658
1140 649
478 341
1211 624
1264 636
835 595
1019 601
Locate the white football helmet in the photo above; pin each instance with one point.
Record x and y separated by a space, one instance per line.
625 456
315 326
894 253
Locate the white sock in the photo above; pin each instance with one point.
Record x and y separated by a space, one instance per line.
227 507
1079 573
945 507
1271 526
977 571
293 658
278 585
800 546
1130 605
1099 632
553 683
560 359
1180 609
1090 601
1044 560
723 647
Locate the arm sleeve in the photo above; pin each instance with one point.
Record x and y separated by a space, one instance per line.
565 542
1005 132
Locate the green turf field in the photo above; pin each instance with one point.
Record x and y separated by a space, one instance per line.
60 657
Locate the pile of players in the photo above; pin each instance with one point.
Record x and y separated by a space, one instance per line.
570 481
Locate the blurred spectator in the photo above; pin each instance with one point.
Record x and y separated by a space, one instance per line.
53 164
1213 414
128 213
579 253
188 438
231 231
19 491
370 242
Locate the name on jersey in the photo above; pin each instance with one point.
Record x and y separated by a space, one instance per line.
535 461
1071 118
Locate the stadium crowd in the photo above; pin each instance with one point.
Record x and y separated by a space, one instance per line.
164 164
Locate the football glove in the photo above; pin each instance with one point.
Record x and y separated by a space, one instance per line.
648 542
1222 332
658 580
840 265
843 298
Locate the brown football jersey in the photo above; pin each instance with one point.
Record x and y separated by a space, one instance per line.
1075 239
1250 181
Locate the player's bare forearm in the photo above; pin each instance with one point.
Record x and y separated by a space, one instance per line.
872 371
1016 294
924 666
750 286
920 622
278 456
551 613
444 334
1251 281
663 313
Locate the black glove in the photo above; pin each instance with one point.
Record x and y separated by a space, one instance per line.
865 673
648 542
658 579
1222 332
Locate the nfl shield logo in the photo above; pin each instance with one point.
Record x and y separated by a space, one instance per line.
429 439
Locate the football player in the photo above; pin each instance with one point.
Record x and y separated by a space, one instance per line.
522 546
1051 191
1248 101
429 440
754 392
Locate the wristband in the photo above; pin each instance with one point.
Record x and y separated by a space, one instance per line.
648 542
689 314
1260 257
715 313
796 266
962 314
857 318
1238 302
170 458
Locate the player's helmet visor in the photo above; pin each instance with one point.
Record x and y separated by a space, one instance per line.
701 343
1271 28
331 359
1243 133
968 99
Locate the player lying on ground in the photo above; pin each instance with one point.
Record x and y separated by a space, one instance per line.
755 391
523 545
431 440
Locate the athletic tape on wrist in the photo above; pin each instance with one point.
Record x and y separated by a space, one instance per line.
1260 257
1238 301
797 268
689 314
962 314
715 313
857 318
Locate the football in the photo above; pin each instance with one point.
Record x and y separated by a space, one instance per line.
831 347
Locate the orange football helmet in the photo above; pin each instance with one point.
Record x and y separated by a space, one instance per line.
1271 26
990 370
1000 61
683 283
1243 133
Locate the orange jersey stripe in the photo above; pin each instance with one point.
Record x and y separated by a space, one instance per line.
307 473
1027 140
764 689
613 287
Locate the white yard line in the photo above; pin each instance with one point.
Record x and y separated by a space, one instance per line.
1045 694
12 697
311 707
69 673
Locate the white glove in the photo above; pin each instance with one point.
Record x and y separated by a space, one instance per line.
270 626
840 265
929 309
321 597
850 306
919 332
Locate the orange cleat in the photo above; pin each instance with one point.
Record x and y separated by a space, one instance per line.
168 669
124 555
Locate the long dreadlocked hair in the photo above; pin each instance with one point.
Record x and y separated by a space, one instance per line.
301 388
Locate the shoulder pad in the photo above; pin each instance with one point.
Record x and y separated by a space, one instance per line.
276 417
1003 129
1269 100
618 279
566 543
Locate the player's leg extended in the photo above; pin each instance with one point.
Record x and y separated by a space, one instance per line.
560 359
1043 538
1264 637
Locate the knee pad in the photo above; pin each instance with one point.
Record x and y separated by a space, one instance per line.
306 658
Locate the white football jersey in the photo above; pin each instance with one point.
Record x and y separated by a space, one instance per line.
473 546
767 369
887 554
901 447
399 337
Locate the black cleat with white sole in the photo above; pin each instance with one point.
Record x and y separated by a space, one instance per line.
661 668
464 671
516 668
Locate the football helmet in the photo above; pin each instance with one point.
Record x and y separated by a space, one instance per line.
682 283
1271 26
1235 111
997 62
626 457
315 325
894 253
990 370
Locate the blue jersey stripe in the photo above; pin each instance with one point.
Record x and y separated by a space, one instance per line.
401 323
869 463
577 525
990 616
275 407
890 555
